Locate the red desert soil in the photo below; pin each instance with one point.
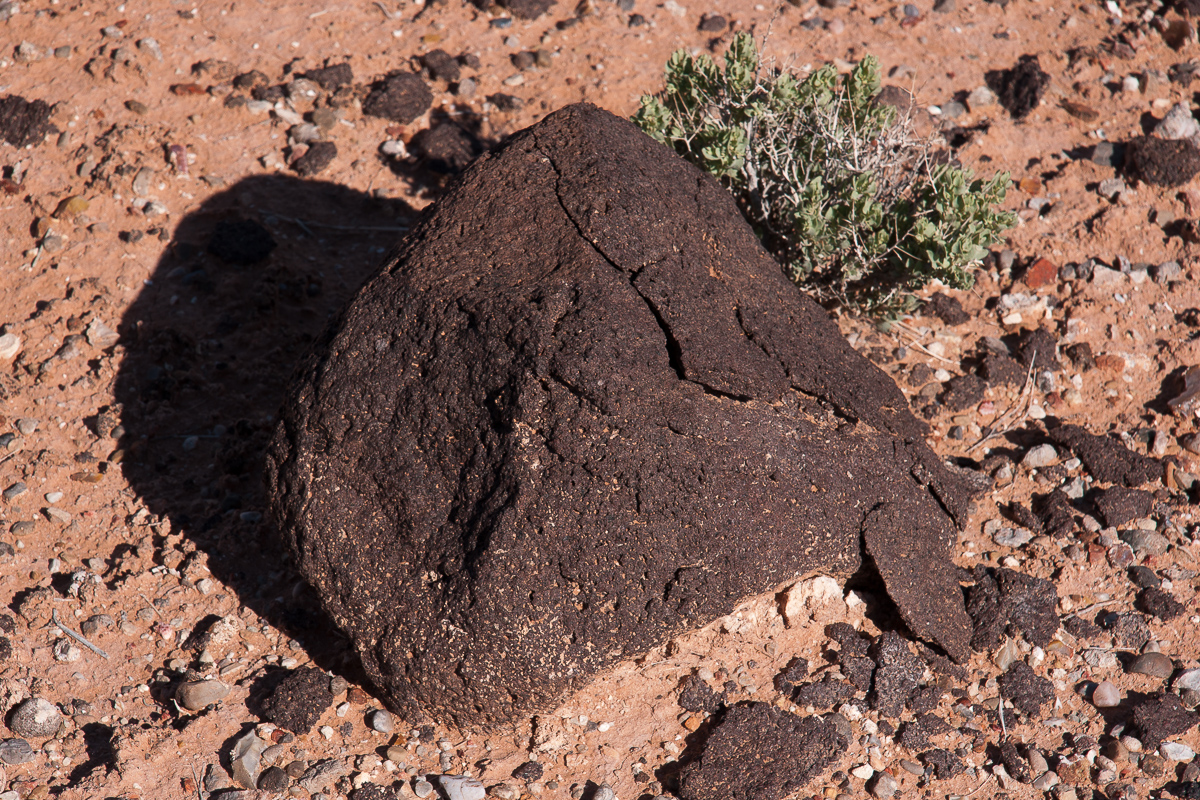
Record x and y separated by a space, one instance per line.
142 391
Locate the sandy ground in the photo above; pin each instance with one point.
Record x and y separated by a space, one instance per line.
140 452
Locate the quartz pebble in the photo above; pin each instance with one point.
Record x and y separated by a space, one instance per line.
461 787
380 721
1106 695
1176 751
198 695
10 345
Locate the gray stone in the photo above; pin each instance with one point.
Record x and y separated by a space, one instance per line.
1043 455
35 718
1012 537
1155 665
1106 695
380 721
246 759
27 425
1176 751
422 788
982 97
461 787
323 774
1111 187
1188 679
884 786
1178 123
197 695
14 491
1149 542
1105 276
953 109
15 751
1166 272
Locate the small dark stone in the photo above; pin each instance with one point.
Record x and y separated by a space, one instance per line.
1144 578
318 156
1000 370
1019 89
6 648
760 752
945 308
1006 602
696 695
823 694
849 639
896 676
527 9
270 94
523 60
1161 162
1106 459
529 771
712 23
915 734
920 375
299 700
1158 603
963 391
1161 717
331 77
1016 764
1081 356
400 97
446 147
796 671
23 122
372 791
273 779
1055 513
506 102
1081 628
945 764
1129 628
925 699
1039 343
1108 154
441 65
1185 790
241 241
250 80
1119 504
1027 691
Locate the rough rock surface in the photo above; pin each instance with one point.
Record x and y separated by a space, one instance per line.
1006 602
760 752
299 700
539 443
1107 459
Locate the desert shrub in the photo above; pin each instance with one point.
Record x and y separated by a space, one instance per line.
838 187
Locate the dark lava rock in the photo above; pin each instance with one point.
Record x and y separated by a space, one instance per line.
23 122
1158 603
1024 517
921 374
858 669
441 65
331 77
712 23
1000 370
506 102
400 97
273 779
1006 602
1037 347
1161 162
527 9
535 444
945 764
760 752
1106 459
1081 628
1019 89
446 147
372 791
1016 764
945 308
896 676
695 695
1119 504
963 391
241 241
299 700
796 671
1129 628
915 735
1184 790
318 156
529 771
849 639
925 699
823 694
1081 356
1027 691
1144 578
1161 717
1055 512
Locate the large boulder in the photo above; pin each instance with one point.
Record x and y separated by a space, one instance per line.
580 411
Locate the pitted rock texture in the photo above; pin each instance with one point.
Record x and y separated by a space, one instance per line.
579 412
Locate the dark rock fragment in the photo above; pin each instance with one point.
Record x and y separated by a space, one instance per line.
1106 459
1037 347
945 308
1081 356
24 122
1019 89
916 734
695 695
400 97
1027 691
446 147
318 156
1161 717
896 676
1144 578
373 791
241 241
527 9
457 424
273 779
332 77
1128 628
712 23
506 102
1006 602
1161 162
1159 603
529 771
1081 628
858 669
1055 512
963 391
1000 370
945 764
1119 504
795 672
921 374
298 701
1016 764
441 65
826 693
250 80
760 752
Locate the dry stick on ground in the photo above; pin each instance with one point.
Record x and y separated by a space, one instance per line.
916 342
1025 400
76 636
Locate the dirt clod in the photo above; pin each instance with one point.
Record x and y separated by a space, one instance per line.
1161 162
24 122
1105 458
299 700
1119 504
1020 88
1161 717
1003 601
400 97
1027 691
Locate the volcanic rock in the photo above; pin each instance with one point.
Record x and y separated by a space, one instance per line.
580 412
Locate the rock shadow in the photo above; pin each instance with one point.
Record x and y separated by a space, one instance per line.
210 347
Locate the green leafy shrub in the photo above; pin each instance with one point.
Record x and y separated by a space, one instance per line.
838 187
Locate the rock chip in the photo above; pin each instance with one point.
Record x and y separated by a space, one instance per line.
15 751
582 417
35 718
323 774
318 156
1107 459
1161 162
400 97
198 695
246 759
461 787
441 65
1043 455
298 701
332 77
760 752
1156 665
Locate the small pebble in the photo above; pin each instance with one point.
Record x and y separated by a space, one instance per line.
1176 751
35 718
381 721
1155 665
884 787
422 788
1106 695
